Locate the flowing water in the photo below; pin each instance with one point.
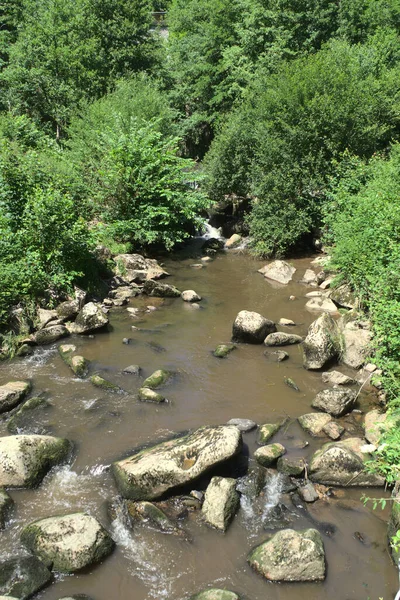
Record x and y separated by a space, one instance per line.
105 426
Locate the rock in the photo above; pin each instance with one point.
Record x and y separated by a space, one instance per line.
90 318
268 430
190 296
309 277
376 423
278 355
315 294
160 290
251 484
146 511
290 556
134 267
45 316
125 292
394 523
326 283
132 370
333 430
233 241
49 335
12 393
27 419
206 259
151 472
321 344
78 364
280 338
308 493
279 271
23 576
344 297
221 502
215 594
337 378
157 379
102 383
222 350
293 466
356 346
314 423
337 402
243 424
292 384
148 395
286 322
67 311
322 304
267 455
251 327
126 341
24 350
197 266
343 464
25 459
68 543
6 503
213 245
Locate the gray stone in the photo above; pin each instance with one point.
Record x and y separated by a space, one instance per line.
22 577
376 423
280 338
25 459
267 455
290 556
132 370
314 423
251 327
78 364
343 464
68 543
277 355
243 424
90 318
160 290
215 594
343 296
309 277
12 393
221 502
6 503
357 346
50 334
190 296
321 304
149 473
279 271
291 465
222 350
67 311
321 344
337 378
308 493
148 512
45 316
333 430
335 401
136 268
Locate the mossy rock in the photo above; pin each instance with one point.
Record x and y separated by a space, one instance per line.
27 417
215 594
22 577
148 395
222 350
291 466
78 364
148 512
103 384
157 379
267 455
6 503
267 431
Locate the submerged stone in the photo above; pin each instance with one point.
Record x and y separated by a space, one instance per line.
27 419
148 395
157 379
268 430
280 338
146 511
102 383
222 350
22 577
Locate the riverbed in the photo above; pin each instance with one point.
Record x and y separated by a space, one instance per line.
205 391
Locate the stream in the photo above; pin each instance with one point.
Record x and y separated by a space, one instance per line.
206 391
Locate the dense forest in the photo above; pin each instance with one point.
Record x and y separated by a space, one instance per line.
119 128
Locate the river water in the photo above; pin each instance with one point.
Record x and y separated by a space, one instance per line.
104 426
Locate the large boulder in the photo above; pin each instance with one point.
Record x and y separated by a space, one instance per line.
321 344
335 401
22 577
314 423
280 338
90 318
149 473
215 594
12 393
68 543
357 346
376 423
25 459
160 290
136 268
343 463
279 271
68 310
344 297
50 334
44 317
251 327
221 502
290 556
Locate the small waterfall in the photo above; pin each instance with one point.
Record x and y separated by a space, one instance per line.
209 232
272 491
255 509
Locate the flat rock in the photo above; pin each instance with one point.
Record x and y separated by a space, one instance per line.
343 464
68 543
160 290
25 459
251 327
22 577
221 502
335 401
190 296
321 344
215 594
243 424
314 423
12 393
337 378
137 268
151 472
267 455
279 271
376 423
280 338
321 304
90 318
290 556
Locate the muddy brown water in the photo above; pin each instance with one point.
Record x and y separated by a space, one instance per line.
104 426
